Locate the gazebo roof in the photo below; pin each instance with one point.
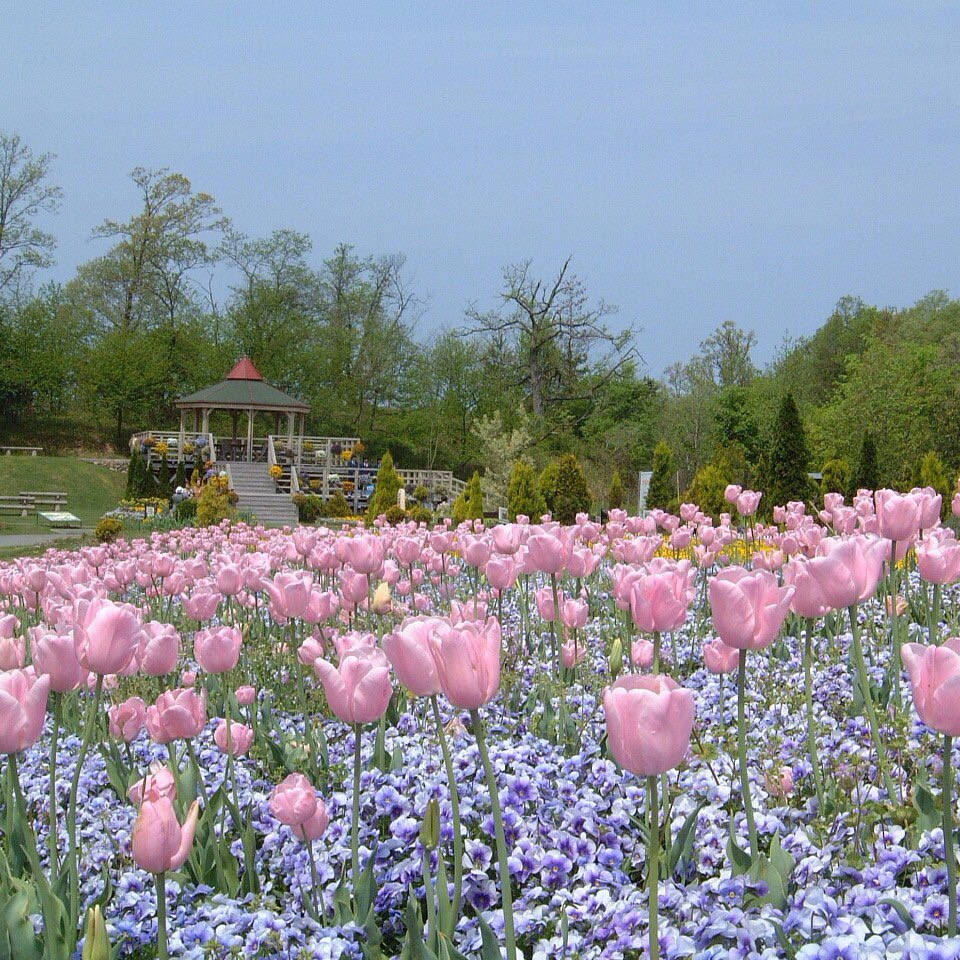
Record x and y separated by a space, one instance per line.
243 389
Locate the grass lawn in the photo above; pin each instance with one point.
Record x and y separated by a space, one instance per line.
90 490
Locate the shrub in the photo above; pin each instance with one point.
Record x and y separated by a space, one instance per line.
107 529
309 507
706 490
385 489
337 506
186 510
930 472
395 514
180 477
547 484
615 494
523 493
568 491
866 476
469 505
420 515
213 505
662 491
836 476
420 493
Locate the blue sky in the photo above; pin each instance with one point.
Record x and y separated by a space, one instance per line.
699 161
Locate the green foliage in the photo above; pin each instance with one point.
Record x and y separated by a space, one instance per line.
337 506
662 492
420 493
499 447
469 504
186 510
707 488
420 515
615 493
309 507
395 514
523 493
788 457
180 477
930 472
568 491
107 529
213 505
867 474
139 481
385 489
549 482
162 484
836 476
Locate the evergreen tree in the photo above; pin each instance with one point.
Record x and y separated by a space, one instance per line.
930 472
523 493
469 504
135 472
615 493
385 488
180 477
661 492
163 479
866 476
836 476
788 459
571 494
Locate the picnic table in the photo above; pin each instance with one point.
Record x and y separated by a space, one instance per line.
33 451
59 518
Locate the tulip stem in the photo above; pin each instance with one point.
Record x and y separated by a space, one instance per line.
948 851
742 759
895 624
161 916
505 892
355 821
655 667
861 667
455 814
52 827
808 696
73 853
559 654
653 866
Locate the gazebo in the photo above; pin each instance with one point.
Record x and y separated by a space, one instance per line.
243 391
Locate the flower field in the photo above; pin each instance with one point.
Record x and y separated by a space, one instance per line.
660 736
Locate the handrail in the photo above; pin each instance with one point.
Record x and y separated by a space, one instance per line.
212 448
271 452
294 480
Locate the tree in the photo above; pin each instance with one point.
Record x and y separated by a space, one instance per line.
866 475
836 476
930 472
615 494
553 332
499 449
727 354
662 490
788 458
25 193
385 488
566 490
469 504
523 493
707 488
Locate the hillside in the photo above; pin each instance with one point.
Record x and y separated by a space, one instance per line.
91 490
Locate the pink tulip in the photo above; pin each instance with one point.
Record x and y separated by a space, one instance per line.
290 594
217 649
229 580
938 560
935 678
809 600
731 492
546 553
55 655
201 605
159 648
246 695
410 650
649 721
719 658
748 608
641 653
158 842
848 570
13 652
23 705
468 662
898 515
659 600
358 691
177 715
8 626
572 653
295 803
502 572
238 741
127 719
106 635
159 782
573 613
747 502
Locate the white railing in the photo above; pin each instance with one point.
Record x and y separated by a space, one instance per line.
294 480
271 453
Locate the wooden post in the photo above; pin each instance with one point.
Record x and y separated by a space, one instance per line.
182 435
249 435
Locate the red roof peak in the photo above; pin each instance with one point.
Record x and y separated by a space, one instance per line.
244 370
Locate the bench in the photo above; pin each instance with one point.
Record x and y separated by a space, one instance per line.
44 498
33 451
14 505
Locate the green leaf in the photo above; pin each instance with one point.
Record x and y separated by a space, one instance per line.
739 859
900 909
681 846
490 947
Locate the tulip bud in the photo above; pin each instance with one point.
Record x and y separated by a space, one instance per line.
96 943
430 828
616 657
